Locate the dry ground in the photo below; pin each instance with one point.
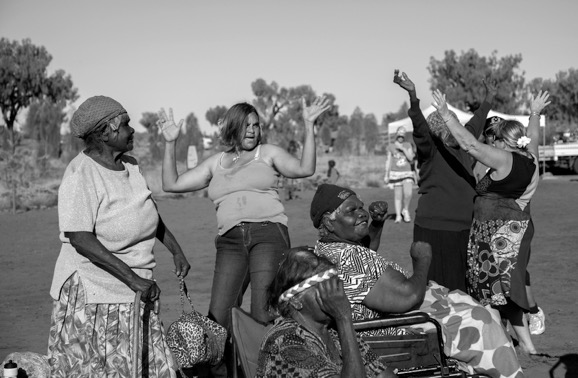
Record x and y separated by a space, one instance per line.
29 246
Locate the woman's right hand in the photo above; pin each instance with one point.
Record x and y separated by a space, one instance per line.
150 292
332 299
169 128
539 102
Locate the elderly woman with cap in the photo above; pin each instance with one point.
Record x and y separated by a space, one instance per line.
473 334
502 228
399 173
446 187
314 335
108 224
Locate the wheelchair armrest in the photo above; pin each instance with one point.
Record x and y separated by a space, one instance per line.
392 320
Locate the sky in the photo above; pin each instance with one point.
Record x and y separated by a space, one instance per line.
194 55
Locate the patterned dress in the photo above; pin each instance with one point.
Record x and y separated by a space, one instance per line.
472 334
502 229
290 350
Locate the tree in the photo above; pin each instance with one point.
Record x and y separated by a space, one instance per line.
43 123
214 115
23 78
460 78
190 136
562 113
371 132
279 110
156 145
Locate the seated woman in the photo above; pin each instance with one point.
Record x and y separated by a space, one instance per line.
473 335
314 335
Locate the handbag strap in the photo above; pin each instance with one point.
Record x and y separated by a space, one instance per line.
185 293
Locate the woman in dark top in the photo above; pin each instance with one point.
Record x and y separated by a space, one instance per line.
446 187
502 228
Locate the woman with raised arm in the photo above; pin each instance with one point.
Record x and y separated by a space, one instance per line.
242 182
446 186
502 229
374 285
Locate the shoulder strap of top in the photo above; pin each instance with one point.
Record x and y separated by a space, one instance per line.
257 153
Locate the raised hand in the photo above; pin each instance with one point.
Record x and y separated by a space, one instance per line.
169 128
403 81
490 87
441 104
332 299
317 107
420 251
539 102
378 209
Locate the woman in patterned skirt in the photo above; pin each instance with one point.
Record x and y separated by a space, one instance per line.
502 228
108 224
473 335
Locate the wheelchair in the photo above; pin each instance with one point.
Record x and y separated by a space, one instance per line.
418 355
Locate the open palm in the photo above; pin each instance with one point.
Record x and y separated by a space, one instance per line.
169 128
317 107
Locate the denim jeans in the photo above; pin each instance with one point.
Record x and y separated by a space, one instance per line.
249 252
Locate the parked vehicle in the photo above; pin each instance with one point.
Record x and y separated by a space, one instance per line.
559 155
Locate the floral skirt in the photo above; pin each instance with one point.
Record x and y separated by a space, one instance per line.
95 340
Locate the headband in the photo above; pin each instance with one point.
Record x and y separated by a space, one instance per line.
306 284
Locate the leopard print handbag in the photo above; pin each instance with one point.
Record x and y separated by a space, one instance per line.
195 339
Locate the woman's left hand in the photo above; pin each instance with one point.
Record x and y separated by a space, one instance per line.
441 104
539 102
378 210
317 107
182 266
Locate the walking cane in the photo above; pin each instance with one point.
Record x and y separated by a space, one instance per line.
135 335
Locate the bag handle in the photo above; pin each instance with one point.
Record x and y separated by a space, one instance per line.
185 293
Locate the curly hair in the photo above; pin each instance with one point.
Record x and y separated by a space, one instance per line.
298 264
233 123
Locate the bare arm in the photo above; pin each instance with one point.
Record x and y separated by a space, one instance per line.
332 300
493 157
537 104
284 162
193 179
90 247
378 213
393 292
166 237
388 158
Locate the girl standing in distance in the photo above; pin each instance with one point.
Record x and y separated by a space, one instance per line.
398 173
242 182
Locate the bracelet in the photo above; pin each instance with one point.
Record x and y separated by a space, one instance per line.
535 114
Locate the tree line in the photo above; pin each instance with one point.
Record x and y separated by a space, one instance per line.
26 84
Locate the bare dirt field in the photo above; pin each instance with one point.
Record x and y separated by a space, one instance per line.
29 246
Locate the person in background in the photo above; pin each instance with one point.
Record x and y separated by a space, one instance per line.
502 229
399 173
446 187
535 315
375 286
314 334
108 225
243 182
332 173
